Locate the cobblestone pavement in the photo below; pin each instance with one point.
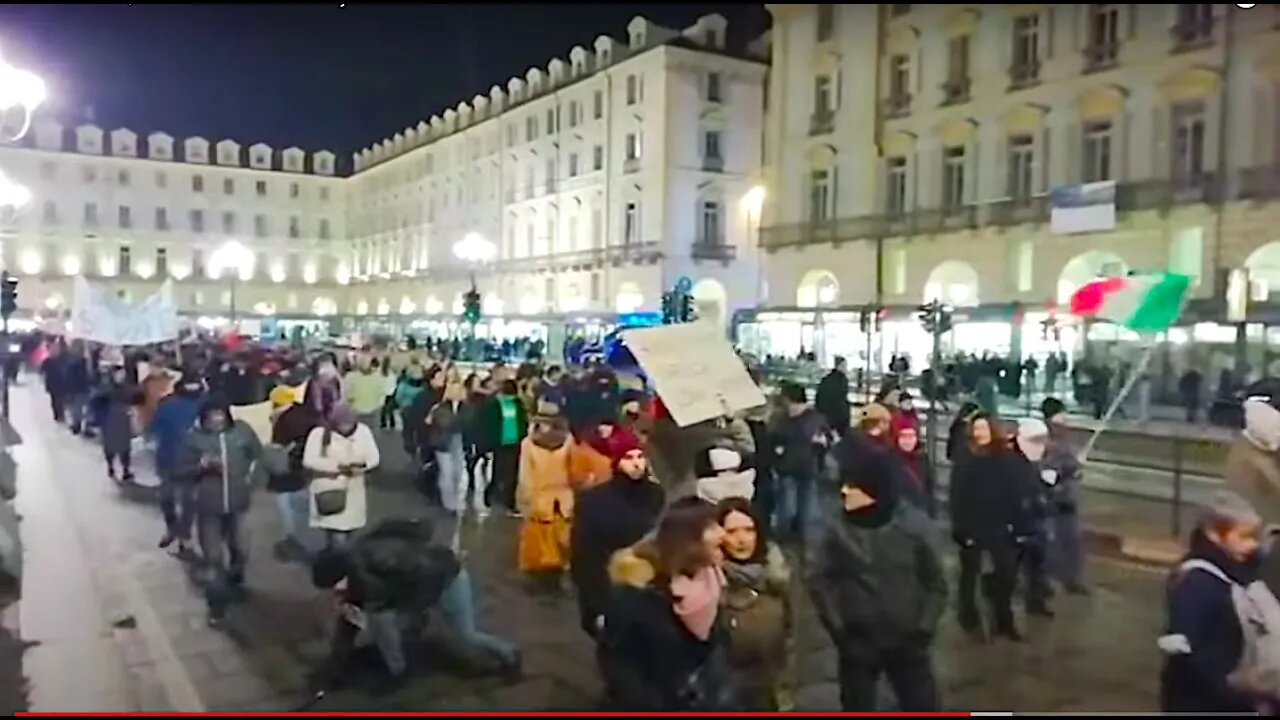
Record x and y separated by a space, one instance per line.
119 625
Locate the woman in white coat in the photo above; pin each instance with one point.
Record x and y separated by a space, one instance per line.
339 456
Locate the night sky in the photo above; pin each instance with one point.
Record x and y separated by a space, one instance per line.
316 76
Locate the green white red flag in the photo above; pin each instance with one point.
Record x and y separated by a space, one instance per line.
1141 303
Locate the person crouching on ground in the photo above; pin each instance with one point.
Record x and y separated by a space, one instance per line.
664 646
1204 641
219 457
545 499
877 585
339 456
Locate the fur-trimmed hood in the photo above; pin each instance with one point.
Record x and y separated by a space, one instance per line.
632 567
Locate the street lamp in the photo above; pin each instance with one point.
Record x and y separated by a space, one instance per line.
234 256
753 205
474 249
22 90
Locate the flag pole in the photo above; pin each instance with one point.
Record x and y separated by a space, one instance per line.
1138 371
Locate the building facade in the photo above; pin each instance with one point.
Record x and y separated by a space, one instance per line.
928 177
132 211
599 182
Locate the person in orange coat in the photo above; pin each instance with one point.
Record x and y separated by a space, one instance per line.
589 460
544 497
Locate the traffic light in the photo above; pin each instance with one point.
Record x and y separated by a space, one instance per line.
877 320
935 317
8 296
471 306
668 308
685 309
864 321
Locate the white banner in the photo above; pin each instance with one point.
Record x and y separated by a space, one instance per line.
694 369
1090 207
98 316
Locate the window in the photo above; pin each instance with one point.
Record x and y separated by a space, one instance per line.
826 21
125 264
1104 36
713 87
91 214
162 180
513 135
324 194
1021 167
551 175
899 83
575 113
551 121
261 188
711 145
633 90
631 223
324 228
228 222
196 218
820 195
595 287
48 171
953 161
228 186
632 148
50 214
260 225
709 229
1097 152
1187 165
530 129
956 89
295 227
162 219
1194 25
598 105
1026 49
573 164
122 178
896 185
162 262
899 9
197 262
197 183
822 100
597 227
597 157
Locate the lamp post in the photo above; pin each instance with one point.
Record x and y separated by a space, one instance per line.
473 249
753 205
234 256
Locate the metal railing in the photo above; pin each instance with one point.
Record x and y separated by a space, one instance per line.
713 250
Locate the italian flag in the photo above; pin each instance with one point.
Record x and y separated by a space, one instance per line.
1141 303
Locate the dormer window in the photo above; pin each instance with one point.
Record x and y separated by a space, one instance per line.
260 159
637 39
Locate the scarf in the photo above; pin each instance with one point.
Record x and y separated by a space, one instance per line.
753 575
697 599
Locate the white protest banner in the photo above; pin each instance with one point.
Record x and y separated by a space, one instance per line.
96 315
257 417
695 371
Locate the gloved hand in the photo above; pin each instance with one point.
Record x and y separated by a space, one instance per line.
962 541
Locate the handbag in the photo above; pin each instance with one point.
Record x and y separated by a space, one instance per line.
332 501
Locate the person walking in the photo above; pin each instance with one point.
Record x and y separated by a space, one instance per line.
366 391
798 440
545 499
505 424
1062 471
289 432
219 457
339 456
832 397
445 427
387 416
115 403
1025 458
175 417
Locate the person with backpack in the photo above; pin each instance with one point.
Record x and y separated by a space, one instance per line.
339 455
1216 660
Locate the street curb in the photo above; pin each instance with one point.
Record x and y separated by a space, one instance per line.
1159 553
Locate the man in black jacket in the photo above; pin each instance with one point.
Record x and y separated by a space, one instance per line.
832 398
798 441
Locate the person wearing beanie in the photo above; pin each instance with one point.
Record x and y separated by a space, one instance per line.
798 441
545 500
610 517
339 455
877 585
1062 472
172 421
874 422
720 475
917 484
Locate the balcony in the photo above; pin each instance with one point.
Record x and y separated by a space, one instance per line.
1192 35
1164 194
635 253
1017 211
1260 183
1024 74
897 105
712 163
822 122
1099 56
631 164
713 250
955 91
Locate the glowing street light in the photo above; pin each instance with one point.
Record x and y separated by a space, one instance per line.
474 249
234 256
22 90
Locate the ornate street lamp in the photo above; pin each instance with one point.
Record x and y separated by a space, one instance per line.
234 256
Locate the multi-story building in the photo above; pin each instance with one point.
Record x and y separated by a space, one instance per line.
599 182
910 150
131 214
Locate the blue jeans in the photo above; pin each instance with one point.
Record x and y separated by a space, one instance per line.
293 507
795 506
458 606
452 475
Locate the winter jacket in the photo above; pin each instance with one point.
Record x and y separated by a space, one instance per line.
877 588
608 518
1061 458
396 565
366 391
588 468
290 431
116 419
832 400
242 386
1254 474
758 614
490 421
987 501
795 454
326 461
406 393
174 419
77 380
649 660
1201 612
916 483
227 486
542 486
446 425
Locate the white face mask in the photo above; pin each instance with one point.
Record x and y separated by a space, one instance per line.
1031 447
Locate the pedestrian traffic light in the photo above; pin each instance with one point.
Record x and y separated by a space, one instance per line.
8 296
471 306
686 312
935 317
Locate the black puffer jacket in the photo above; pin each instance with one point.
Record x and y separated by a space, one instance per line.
988 499
396 565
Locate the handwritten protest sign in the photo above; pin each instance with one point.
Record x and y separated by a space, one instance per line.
695 371
97 315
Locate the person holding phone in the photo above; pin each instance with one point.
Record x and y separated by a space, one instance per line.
339 455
